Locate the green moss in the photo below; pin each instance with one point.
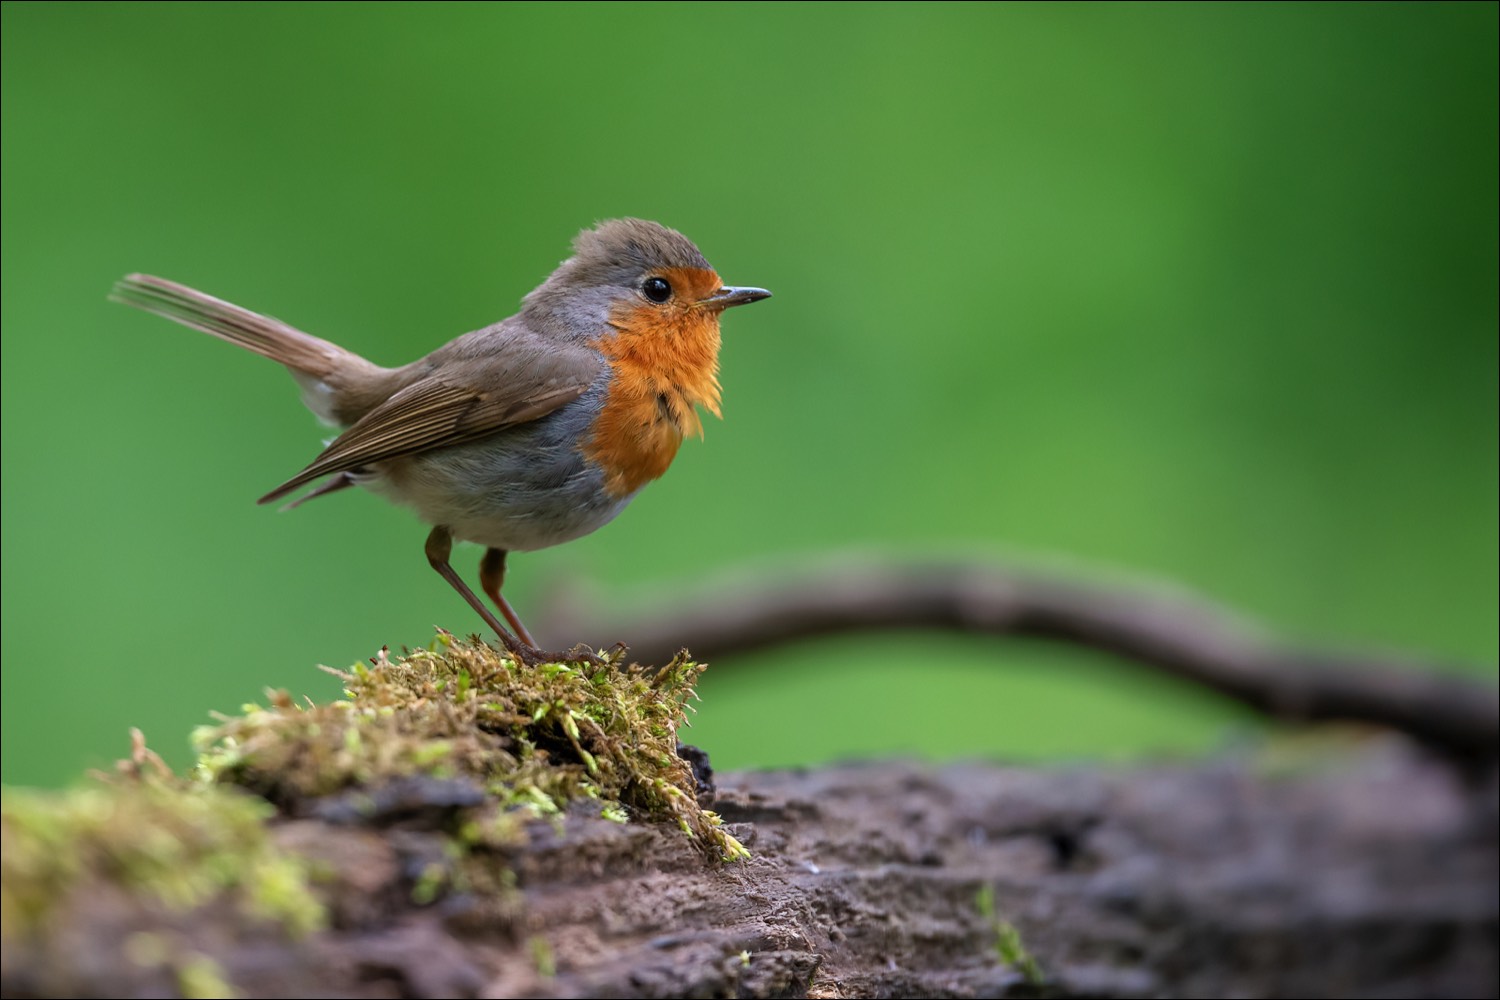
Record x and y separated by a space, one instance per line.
200 978
1014 954
1007 938
542 957
535 738
182 846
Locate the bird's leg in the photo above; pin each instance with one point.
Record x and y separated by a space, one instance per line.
491 577
439 547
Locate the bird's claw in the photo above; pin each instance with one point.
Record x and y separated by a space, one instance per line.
531 656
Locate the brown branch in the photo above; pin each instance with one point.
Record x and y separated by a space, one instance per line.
1167 630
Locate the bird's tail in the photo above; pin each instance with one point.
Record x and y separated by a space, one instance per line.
328 374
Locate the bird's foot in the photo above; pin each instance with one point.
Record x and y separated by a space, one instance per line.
531 656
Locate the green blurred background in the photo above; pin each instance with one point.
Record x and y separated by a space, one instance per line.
1203 293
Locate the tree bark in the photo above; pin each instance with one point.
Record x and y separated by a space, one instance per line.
1367 870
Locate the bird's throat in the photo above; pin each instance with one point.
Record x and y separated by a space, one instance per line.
661 376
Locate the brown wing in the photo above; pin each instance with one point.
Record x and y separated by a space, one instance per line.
438 411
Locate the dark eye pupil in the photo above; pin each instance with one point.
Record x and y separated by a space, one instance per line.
657 289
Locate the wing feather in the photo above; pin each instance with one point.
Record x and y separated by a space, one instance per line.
437 411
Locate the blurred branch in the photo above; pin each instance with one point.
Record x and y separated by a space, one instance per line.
1168 630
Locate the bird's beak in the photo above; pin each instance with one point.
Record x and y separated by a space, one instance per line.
726 297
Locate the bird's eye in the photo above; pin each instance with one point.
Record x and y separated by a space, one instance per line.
656 289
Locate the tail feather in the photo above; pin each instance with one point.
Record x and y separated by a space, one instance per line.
264 335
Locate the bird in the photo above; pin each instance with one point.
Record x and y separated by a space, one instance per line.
524 434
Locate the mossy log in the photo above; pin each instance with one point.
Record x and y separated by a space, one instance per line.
448 833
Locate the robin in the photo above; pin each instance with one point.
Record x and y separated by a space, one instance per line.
528 433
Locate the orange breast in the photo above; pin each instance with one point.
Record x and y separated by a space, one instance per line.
665 362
